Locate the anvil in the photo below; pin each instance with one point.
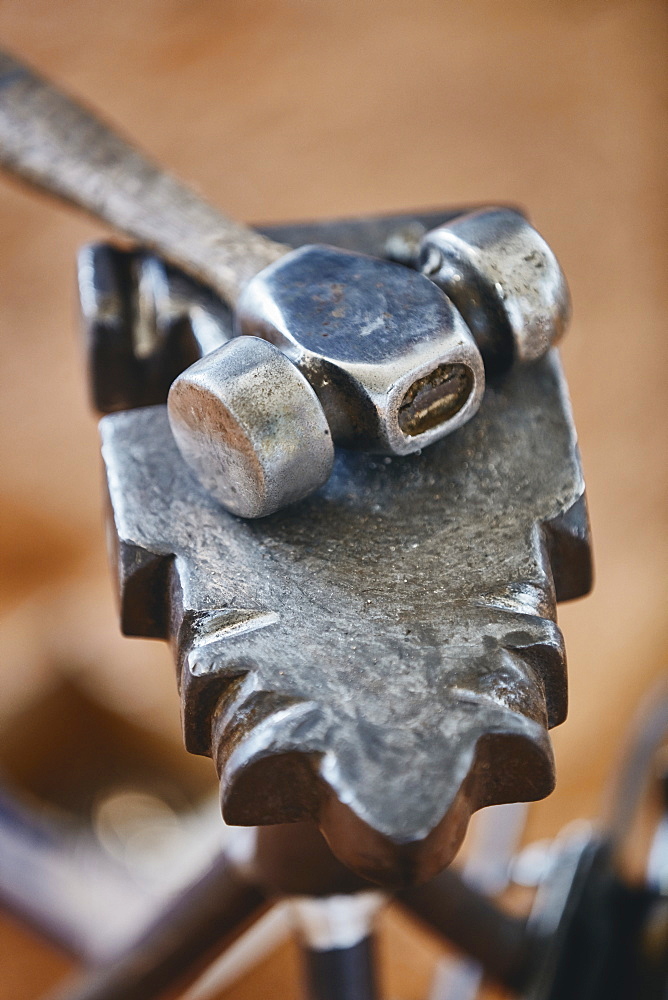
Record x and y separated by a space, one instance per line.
382 658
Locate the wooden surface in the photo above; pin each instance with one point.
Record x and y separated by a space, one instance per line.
313 108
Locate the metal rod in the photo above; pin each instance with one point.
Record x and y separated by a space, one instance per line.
474 924
341 973
209 915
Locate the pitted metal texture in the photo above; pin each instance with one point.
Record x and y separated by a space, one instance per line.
382 657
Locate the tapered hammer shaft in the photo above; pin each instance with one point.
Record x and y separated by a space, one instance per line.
54 143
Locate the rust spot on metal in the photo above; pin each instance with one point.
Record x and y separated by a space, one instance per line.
435 398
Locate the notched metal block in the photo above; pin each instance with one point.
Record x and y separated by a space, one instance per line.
144 322
382 658
392 362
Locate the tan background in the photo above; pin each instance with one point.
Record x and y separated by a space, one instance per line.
314 108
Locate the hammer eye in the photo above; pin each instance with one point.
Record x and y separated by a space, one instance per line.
434 399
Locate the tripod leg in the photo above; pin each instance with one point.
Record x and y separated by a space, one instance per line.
198 925
341 973
336 934
473 923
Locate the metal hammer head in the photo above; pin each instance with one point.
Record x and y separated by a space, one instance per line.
367 353
392 362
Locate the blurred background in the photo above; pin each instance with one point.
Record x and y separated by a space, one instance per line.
305 109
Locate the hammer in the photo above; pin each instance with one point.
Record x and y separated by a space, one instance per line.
338 347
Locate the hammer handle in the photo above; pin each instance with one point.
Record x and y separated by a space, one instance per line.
55 144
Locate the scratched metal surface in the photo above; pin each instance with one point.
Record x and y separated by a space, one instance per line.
382 657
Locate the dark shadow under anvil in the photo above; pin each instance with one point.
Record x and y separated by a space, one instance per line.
383 657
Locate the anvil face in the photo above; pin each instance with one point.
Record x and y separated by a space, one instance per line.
383 657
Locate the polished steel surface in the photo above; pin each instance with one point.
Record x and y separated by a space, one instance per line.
251 428
504 279
393 364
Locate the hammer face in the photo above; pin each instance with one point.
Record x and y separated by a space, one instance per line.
249 425
390 358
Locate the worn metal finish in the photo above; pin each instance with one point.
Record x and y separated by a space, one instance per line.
392 362
383 657
251 428
504 279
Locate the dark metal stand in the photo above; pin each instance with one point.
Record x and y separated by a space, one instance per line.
198 926
205 919
341 973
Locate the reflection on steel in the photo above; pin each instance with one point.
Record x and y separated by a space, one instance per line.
132 363
251 428
382 362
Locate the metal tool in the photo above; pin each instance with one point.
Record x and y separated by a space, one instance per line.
384 658
422 589
251 428
425 381
390 359
382 662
